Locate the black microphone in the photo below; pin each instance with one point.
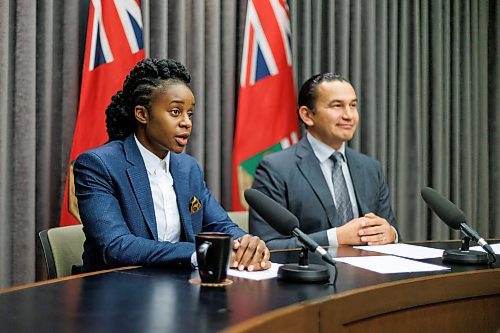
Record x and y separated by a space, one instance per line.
453 216
283 221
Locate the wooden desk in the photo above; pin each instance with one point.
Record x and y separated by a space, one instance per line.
467 298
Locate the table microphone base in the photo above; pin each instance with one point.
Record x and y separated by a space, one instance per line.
465 257
306 274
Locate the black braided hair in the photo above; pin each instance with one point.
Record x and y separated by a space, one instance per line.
143 80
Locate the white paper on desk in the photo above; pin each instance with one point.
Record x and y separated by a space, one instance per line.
495 247
390 264
256 275
404 250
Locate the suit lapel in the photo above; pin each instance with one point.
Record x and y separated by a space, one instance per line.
183 192
358 180
139 181
309 166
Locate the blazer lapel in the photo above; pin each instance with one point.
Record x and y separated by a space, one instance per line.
139 180
309 166
358 180
183 192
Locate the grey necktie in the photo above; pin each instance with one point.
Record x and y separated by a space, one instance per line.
342 201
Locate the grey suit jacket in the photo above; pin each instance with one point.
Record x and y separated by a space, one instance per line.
293 178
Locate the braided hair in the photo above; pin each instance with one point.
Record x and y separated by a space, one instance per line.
143 80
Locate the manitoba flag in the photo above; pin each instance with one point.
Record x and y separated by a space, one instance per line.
266 120
114 45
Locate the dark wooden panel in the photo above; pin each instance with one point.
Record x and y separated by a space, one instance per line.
162 300
469 315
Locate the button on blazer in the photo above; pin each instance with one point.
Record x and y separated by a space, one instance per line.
117 212
293 178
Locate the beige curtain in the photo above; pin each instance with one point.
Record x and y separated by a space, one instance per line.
426 73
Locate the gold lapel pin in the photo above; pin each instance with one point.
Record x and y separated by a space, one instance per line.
194 205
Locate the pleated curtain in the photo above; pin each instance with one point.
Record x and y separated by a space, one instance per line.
426 73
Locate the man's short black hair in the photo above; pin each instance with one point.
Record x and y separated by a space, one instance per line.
309 92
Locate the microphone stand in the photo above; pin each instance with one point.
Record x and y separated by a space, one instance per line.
305 272
464 255
304 262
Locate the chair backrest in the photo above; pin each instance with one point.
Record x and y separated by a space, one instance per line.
240 218
63 248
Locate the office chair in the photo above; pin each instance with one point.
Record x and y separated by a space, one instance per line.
62 248
240 218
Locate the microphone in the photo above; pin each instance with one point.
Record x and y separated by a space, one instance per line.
453 216
283 221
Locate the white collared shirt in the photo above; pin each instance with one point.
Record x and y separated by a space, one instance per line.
323 153
168 222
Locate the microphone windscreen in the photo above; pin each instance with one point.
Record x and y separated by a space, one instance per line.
276 215
444 208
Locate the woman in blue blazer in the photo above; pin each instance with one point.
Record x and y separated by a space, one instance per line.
141 199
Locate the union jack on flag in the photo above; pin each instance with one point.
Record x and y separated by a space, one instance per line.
258 57
266 118
114 45
129 12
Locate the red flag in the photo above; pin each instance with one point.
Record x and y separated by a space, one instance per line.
114 45
266 119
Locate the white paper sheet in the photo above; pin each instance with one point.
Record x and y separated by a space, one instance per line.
496 248
390 264
404 250
256 275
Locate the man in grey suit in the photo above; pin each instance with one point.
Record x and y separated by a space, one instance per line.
339 196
